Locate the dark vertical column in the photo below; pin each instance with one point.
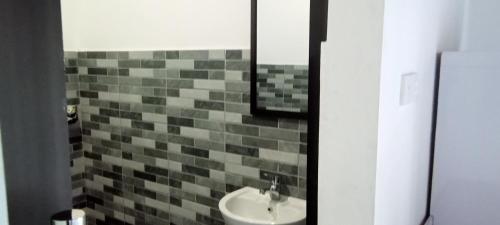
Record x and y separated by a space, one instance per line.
34 131
318 34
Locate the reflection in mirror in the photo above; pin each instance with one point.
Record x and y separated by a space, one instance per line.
282 55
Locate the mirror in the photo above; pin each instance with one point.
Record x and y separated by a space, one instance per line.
280 57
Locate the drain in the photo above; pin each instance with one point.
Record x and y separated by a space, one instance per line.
269 209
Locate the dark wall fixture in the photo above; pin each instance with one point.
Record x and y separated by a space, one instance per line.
32 116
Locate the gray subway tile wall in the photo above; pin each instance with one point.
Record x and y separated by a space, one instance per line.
75 137
282 87
166 134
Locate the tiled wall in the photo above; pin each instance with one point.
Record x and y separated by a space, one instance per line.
166 134
75 135
282 87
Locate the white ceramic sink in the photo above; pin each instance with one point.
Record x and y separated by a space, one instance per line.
248 207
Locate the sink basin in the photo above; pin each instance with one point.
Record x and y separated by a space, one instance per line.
247 206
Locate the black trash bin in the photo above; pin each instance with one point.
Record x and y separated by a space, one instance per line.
69 217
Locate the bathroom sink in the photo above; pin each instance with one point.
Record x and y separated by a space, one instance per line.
247 206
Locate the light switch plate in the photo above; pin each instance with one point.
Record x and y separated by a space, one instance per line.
409 88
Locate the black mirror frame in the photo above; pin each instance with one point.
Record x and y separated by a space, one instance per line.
317 35
253 78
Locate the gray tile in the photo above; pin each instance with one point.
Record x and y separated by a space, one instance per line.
238 87
136 90
260 142
172 54
123 55
288 169
153 82
289 124
152 63
289 146
238 108
180 64
140 55
129 63
238 65
98 87
279 134
130 81
143 125
87 62
216 96
112 55
267 122
193 54
243 130
233 97
180 121
216 75
193 113
259 163
194 74
96 55
234 54
159 55
209 64
107 80
173 92
88 79
180 84
154 100
247 151
209 125
209 105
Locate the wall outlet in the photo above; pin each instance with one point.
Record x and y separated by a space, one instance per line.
409 88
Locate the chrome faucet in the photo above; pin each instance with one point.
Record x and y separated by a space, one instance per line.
274 190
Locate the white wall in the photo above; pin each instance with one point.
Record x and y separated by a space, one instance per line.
4 219
374 153
283 32
155 24
466 184
415 31
349 112
482 32
187 24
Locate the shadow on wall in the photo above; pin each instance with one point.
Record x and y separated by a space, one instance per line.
4 220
